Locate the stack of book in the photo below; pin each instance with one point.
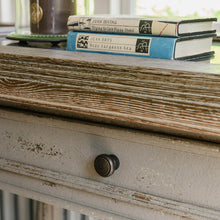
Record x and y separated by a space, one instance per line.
187 39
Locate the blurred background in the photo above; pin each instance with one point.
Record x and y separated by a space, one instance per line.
171 8
13 207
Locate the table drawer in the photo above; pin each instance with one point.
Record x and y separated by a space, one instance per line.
168 167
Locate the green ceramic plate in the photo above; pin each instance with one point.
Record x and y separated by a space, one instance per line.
37 37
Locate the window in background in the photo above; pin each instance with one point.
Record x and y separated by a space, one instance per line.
181 8
7 9
169 8
85 7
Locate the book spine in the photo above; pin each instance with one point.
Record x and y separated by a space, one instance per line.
142 46
125 26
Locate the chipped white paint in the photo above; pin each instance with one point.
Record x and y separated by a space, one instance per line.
109 194
51 160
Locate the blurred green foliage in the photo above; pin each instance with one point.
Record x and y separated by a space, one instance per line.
169 13
217 14
216 48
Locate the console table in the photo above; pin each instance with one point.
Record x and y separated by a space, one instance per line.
161 119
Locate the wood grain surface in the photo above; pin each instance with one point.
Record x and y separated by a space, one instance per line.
173 97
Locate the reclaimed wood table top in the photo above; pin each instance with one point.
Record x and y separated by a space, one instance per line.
173 97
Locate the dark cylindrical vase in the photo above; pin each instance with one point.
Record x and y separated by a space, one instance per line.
50 16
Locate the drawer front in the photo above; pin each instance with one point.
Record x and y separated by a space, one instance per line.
173 168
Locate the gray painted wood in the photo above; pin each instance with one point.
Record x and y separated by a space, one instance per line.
23 206
1 205
51 160
21 210
8 206
43 211
74 216
172 175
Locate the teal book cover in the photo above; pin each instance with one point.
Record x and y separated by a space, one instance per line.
137 45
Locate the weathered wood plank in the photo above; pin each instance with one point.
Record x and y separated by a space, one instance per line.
142 204
107 61
180 98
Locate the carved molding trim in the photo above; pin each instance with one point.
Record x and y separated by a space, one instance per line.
124 197
154 95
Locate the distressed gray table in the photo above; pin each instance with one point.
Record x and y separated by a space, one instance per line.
60 110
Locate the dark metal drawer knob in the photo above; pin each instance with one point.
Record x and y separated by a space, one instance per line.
105 165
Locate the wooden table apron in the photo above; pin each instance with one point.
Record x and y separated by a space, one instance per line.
59 110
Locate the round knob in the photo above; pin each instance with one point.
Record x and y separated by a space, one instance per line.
105 165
